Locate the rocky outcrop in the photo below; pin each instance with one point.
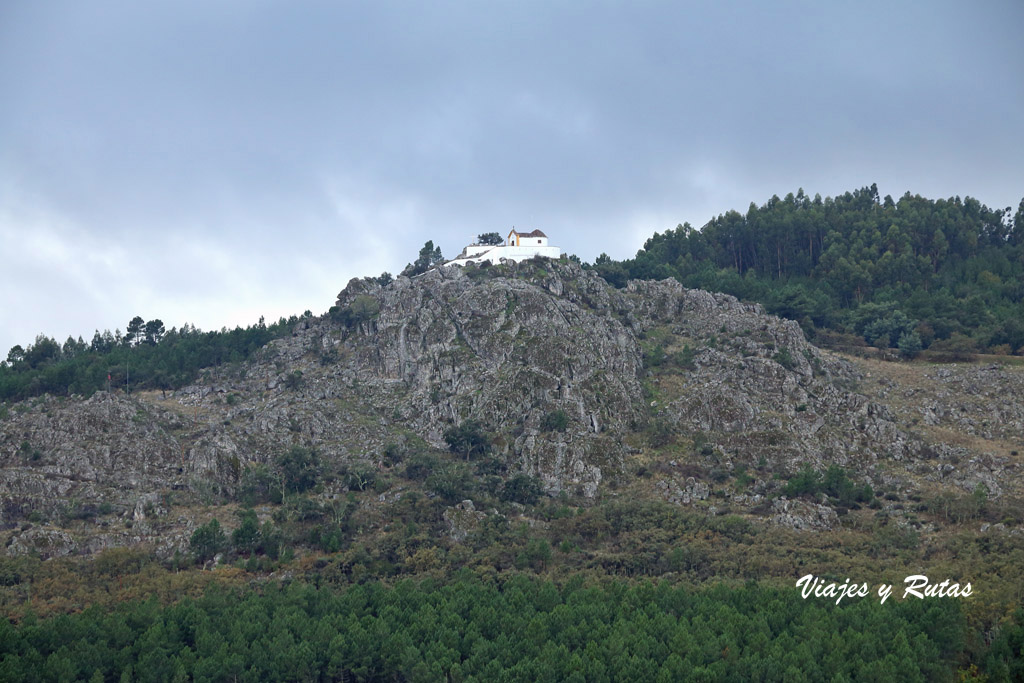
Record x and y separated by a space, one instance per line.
559 369
976 400
67 456
801 515
462 519
507 352
683 494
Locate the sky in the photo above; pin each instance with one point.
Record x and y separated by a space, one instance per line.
211 162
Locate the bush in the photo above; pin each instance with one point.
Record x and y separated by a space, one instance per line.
536 555
364 307
300 468
450 481
909 344
467 439
684 358
654 357
834 483
555 421
660 432
358 477
394 453
258 486
420 466
246 538
522 488
806 481
784 358
957 349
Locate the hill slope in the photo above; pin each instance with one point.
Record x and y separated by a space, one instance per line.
653 391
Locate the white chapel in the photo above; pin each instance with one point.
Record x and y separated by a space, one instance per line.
518 246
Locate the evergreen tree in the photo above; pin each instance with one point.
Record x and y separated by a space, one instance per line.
207 541
429 257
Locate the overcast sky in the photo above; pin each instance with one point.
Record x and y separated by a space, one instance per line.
210 162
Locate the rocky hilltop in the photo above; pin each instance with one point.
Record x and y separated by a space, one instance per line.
653 389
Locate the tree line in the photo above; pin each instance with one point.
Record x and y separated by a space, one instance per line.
146 356
911 273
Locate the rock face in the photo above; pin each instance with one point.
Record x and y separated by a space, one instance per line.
801 515
684 494
757 388
563 372
505 352
462 519
980 401
69 454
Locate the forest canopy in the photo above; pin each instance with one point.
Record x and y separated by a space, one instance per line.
520 629
908 273
145 357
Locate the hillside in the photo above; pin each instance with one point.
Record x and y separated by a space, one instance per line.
910 273
573 383
526 418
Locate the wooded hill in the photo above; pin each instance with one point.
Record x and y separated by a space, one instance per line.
703 445
145 357
913 273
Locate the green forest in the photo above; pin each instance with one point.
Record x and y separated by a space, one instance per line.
518 629
911 274
144 357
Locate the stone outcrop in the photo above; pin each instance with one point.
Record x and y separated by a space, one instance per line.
508 347
803 516
462 519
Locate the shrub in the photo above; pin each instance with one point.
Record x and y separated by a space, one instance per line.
834 483
293 381
420 466
270 541
555 421
450 481
806 481
299 467
660 432
784 358
363 307
246 538
684 358
536 555
394 453
909 344
258 486
958 348
654 357
467 439
358 477
522 488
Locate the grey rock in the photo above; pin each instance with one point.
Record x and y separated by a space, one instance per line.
803 516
